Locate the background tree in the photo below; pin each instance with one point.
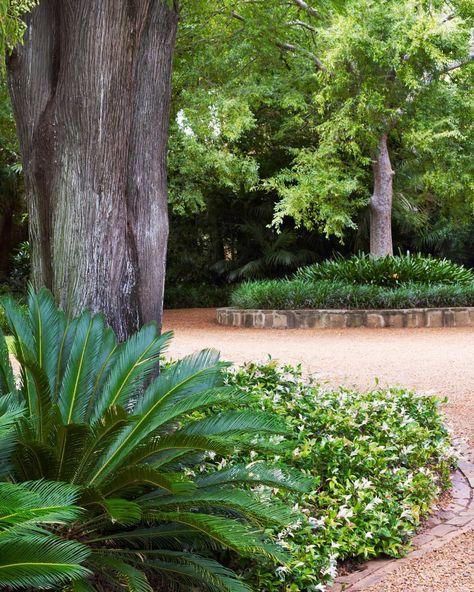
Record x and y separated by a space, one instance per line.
387 87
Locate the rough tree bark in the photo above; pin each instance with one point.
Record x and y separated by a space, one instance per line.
91 89
381 202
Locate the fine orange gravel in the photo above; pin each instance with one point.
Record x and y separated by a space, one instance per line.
449 569
438 361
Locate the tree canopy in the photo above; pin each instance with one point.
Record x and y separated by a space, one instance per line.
338 76
278 108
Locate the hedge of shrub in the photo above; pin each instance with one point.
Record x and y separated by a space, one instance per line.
388 271
301 293
377 460
196 296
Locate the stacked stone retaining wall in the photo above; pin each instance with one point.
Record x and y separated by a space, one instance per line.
339 319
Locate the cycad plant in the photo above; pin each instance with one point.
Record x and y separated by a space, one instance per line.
30 553
136 449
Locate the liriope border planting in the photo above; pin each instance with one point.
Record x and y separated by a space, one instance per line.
341 319
454 520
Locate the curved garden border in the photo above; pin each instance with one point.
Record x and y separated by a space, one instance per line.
339 319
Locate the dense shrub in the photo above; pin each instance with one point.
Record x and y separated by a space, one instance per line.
21 267
300 293
196 296
6 291
377 460
388 271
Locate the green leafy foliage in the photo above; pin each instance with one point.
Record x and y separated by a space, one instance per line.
131 445
361 281
388 271
377 461
300 293
394 67
12 26
30 555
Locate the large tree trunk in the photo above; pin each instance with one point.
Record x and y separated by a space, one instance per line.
91 91
381 202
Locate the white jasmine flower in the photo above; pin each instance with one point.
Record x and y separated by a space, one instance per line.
281 571
345 512
315 522
296 453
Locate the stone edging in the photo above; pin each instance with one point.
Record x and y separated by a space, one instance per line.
447 524
339 319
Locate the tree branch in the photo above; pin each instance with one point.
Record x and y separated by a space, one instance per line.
306 7
298 23
290 46
237 16
461 63
297 49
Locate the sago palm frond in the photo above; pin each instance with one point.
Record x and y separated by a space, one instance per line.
31 556
28 503
257 472
36 562
7 380
136 449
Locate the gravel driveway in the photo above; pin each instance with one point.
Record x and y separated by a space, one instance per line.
437 361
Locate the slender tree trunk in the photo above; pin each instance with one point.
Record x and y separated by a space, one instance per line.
381 202
91 89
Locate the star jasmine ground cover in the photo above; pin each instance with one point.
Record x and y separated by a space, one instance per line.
378 461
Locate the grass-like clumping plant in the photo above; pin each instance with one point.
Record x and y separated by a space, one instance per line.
104 484
299 294
388 271
377 461
362 282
